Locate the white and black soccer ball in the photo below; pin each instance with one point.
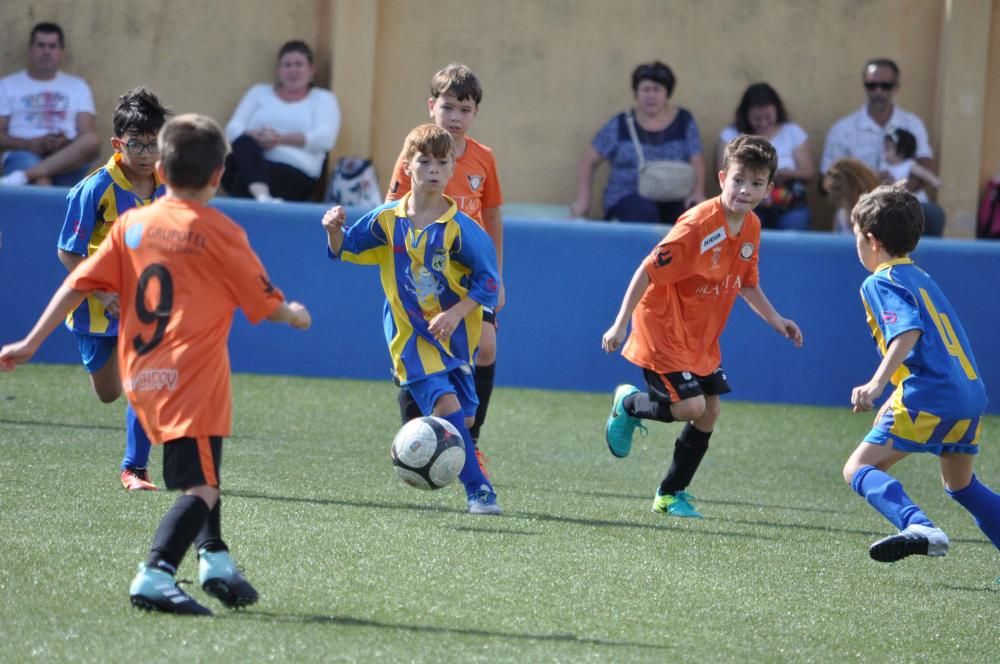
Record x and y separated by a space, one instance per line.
428 453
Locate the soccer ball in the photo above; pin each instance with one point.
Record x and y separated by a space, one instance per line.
428 453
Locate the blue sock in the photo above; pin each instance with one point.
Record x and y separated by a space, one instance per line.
885 494
471 476
137 443
984 505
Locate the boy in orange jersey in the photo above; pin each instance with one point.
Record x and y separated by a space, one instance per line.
181 268
454 103
679 301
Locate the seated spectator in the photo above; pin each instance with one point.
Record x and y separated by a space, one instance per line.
845 182
653 134
762 112
900 148
281 133
861 135
48 130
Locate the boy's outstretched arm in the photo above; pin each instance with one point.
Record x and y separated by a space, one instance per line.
786 327
293 313
493 224
333 223
64 301
615 336
863 396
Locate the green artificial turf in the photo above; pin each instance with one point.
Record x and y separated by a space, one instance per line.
352 565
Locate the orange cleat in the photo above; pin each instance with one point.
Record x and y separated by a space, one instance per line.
137 479
482 460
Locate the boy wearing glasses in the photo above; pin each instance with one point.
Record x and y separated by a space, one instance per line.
127 181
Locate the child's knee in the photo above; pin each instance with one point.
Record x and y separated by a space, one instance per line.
688 410
469 421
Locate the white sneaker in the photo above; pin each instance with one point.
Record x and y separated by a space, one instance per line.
14 179
915 539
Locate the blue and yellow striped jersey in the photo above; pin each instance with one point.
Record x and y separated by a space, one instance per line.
938 382
93 206
425 272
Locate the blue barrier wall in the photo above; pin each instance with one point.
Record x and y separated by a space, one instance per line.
564 283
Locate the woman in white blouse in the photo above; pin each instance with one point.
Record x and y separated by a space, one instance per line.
281 133
762 113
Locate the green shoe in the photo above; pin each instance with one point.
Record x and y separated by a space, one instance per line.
620 425
676 505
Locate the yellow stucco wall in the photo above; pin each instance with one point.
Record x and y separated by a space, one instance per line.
553 70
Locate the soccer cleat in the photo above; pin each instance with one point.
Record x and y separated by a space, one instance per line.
137 479
220 578
915 539
678 504
482 460
154 589
620 425
484 501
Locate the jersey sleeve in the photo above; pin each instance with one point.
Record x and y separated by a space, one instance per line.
81 216
492 196
606 139
894 307
477 252
364 239
399 184
248 282
103 270
674 258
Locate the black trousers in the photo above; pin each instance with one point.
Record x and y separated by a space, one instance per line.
246 164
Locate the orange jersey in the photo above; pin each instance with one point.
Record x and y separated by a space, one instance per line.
696 272
474 186
181 270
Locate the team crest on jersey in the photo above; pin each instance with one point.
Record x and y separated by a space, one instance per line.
713 239
475 181
746 251
438 260
133 236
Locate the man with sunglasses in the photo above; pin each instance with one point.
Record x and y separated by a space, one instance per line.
861 135
47 127
128 180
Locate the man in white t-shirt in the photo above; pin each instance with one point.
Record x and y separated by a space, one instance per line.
861 135
48 129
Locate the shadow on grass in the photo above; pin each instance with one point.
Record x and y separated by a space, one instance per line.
673 525
709 501
348 621
496 531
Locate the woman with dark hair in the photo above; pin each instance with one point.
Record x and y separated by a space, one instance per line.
762 113
282 132
654 148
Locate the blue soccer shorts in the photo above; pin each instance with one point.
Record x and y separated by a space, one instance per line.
460 382
934 437
95 351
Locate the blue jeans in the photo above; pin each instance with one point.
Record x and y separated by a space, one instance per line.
636 208
795 219
22 160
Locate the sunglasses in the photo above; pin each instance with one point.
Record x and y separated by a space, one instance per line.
876 85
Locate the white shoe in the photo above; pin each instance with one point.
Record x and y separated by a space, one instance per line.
14 179
915 539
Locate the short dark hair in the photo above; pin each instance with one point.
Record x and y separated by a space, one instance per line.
893 216
430 140
296 46
881 62
657 72
753 152
139 112
458 80
905 142
758 95
192 147
48 28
